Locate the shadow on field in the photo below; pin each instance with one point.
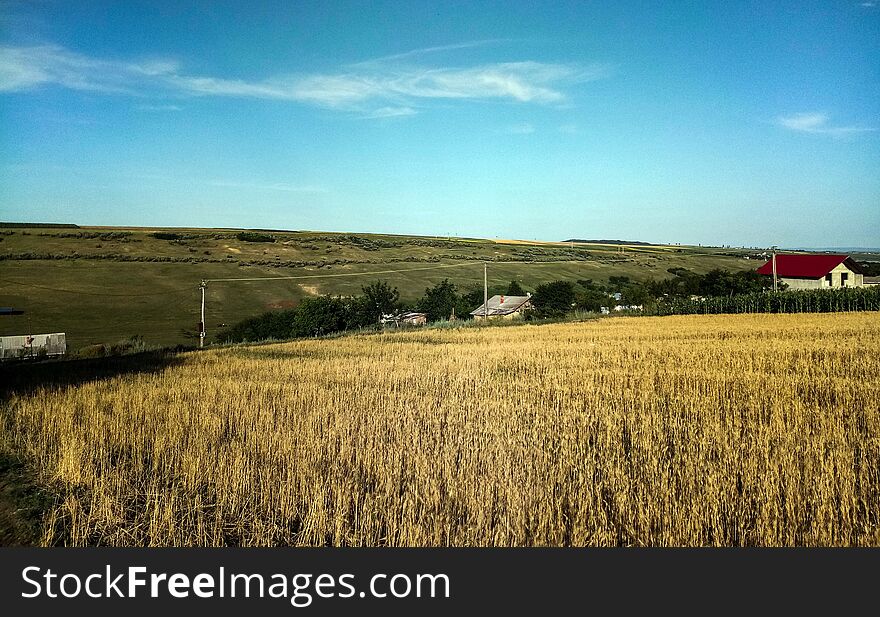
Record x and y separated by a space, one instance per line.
23 499
23 503
24 377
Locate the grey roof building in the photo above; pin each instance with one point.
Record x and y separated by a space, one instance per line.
504 306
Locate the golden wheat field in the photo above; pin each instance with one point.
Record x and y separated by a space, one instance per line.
684 431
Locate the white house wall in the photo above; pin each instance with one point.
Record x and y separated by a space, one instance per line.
853 280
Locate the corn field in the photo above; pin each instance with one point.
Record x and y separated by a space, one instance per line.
801 301
671 431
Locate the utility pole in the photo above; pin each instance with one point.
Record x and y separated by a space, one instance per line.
202 286
775 284
485 293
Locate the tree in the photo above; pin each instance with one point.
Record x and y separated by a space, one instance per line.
468 301
438 300
553 299
515 289
591 299
750 281
723 283
272 325
635 295
718 283
321 315
379 298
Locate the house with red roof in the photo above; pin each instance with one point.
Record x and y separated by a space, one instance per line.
802 271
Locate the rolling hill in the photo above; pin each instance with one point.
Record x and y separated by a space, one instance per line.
102 285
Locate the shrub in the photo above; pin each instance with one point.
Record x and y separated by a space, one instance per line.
553 299
439 300
252 236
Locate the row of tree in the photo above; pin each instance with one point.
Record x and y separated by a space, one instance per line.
560 297
714 283
330 314
717 291
445 300
319 316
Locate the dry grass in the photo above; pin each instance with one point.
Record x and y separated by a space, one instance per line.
698 430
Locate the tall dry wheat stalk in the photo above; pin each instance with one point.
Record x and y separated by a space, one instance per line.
697 430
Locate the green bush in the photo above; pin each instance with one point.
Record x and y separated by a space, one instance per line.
439 300
379 298
318 316
252 236
553 299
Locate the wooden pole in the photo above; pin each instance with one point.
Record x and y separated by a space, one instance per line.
775 285
202 286
485 293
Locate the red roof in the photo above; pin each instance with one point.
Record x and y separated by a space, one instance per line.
807 266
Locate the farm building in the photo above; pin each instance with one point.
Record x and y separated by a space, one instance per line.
815 271
410 318
506 307
413 319
32 346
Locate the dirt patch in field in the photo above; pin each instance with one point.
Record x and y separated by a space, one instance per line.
312 290
233 249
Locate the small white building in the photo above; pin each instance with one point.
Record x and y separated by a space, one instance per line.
32 346
802 271
413 318
410 318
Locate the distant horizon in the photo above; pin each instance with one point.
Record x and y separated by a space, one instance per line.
745 124
68 225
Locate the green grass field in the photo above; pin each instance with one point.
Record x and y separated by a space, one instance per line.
103 285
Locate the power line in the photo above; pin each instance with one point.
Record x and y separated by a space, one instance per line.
87 330
347 274
278 278
204 283
91 293
344 274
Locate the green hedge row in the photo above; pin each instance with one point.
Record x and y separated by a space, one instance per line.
804 301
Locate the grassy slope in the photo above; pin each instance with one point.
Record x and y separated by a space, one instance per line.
106 300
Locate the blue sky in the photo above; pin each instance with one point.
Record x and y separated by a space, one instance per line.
742 123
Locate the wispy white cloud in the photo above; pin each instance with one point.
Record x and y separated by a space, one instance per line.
817 122
868 5
23 68
804 121
524 128
391 112
378 88
413 53
147 107
517 81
